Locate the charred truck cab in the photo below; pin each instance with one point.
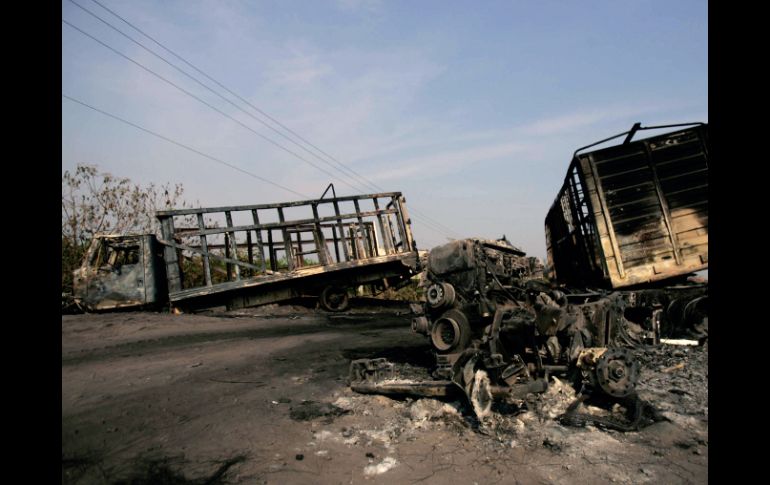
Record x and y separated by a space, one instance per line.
121 272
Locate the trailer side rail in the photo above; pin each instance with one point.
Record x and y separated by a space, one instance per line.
213 249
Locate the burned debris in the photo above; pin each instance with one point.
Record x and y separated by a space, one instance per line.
633 219
632 214
499 334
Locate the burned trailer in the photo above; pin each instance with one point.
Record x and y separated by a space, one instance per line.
273 252
634 213
633 218
241 256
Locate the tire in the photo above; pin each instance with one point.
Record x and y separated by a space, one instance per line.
334 299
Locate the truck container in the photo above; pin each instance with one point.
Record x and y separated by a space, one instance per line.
634 213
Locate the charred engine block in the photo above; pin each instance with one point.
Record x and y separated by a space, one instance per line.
466 282
487 310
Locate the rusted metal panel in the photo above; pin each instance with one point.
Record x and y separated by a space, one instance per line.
633 213
320 239
304 281
286 241
338 218
407 223
608 238
385 236
233 247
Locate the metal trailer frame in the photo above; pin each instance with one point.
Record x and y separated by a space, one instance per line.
262 262
634 213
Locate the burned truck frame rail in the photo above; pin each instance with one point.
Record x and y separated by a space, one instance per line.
634 213
255 254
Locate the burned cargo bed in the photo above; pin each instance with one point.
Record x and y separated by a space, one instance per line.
301 282
250 255
634 213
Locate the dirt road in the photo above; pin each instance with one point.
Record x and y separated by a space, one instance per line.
262 398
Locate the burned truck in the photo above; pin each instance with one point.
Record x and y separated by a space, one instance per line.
483 311
499 333
633 219
482 291
625 232
242 256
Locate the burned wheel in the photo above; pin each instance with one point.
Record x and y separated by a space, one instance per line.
617 372
334 299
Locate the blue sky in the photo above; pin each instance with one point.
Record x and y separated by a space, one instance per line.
471 109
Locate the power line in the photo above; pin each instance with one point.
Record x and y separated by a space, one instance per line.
209 105
266 115
269 140
289 130
186 147
429 222
206 103
180 144
185 73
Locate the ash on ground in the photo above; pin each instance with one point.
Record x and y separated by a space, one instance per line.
674 379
